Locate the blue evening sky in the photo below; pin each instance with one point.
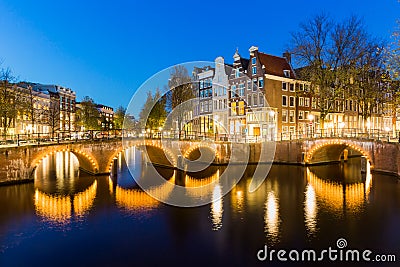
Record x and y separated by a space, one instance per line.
107 49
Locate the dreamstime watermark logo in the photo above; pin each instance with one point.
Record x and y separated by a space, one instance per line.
207 108
338 253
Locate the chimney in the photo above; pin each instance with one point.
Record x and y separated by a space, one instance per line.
288 57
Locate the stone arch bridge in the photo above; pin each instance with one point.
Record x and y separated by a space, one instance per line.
96 157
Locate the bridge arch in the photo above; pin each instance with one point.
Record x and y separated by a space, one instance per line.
157 145
324 151
87 162
198 147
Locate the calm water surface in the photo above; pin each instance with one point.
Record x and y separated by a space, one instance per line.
66 218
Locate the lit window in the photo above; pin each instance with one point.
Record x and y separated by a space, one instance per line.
306 102
233 108
284 115
291 116
241 107
301 101
301 115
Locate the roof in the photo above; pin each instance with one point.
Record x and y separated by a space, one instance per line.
275 65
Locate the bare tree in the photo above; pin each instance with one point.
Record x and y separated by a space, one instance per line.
326 52
53 113
179 93
9 103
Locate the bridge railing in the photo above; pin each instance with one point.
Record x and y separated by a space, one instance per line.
60 137
93 135
356 133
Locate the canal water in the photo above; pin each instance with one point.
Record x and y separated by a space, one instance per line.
67 218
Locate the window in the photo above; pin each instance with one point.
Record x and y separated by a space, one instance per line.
255 100
291 101
261 99
253 61
233 108
254 70
233 90
249 100
306 87
285 129
301 101
313 103
284 101
306 102
261 82
284 115
241 89
306 115
301 115
284 86
201 107
292 87
291 116
286 73
301 87
254 85
241 107
248 85
237 73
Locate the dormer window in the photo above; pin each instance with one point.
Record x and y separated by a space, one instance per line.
253 61
286 73
237 73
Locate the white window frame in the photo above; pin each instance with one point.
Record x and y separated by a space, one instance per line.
294 101
284 97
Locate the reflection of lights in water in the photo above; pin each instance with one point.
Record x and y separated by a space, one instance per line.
59 208
310 209
135 199
368 180
201 187
217 208
53 208
239 199
272 216
110 185
334 195
83 201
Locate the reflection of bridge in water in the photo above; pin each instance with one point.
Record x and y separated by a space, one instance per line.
59 208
